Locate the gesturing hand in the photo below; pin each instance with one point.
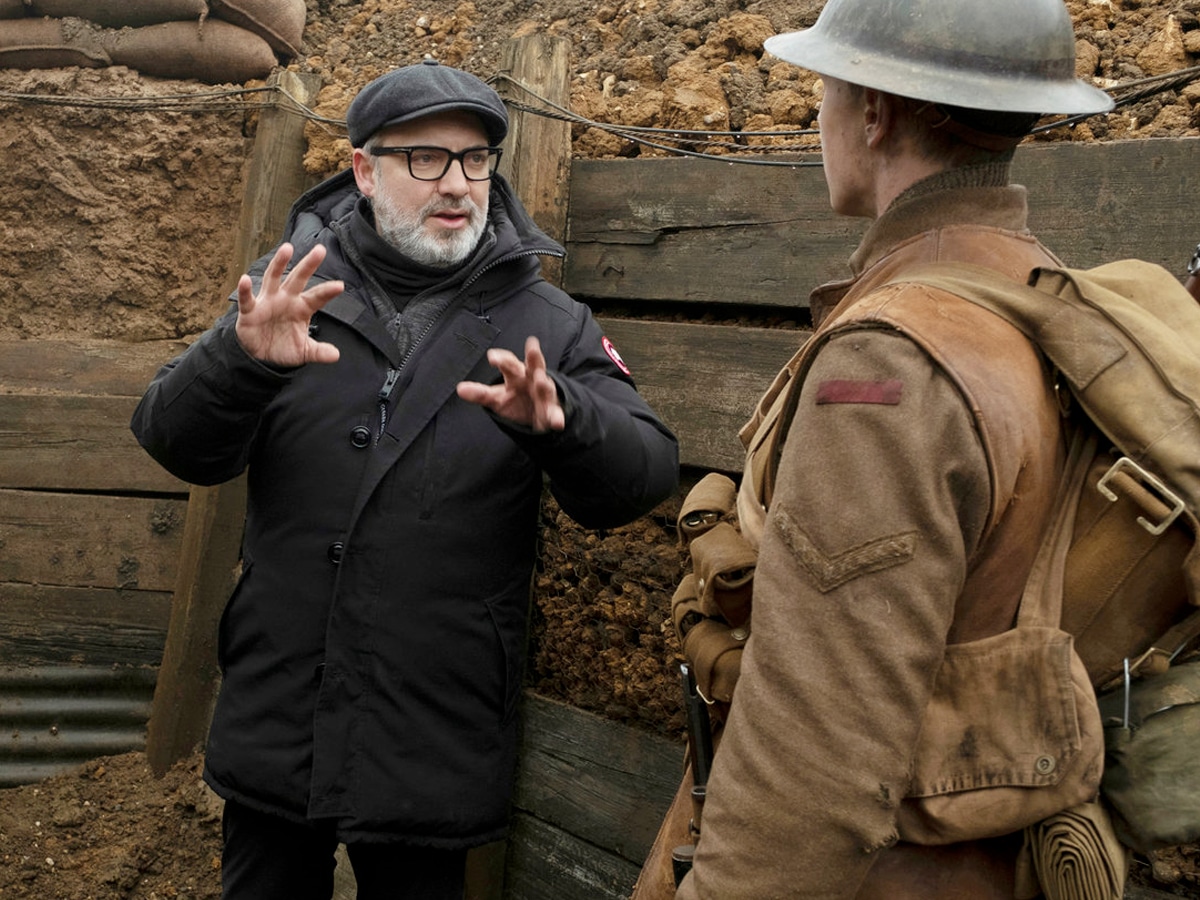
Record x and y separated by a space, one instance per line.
273 326
528 395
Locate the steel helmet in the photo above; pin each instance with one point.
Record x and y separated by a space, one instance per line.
999 55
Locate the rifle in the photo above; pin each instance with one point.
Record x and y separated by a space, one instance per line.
700 755
1193 271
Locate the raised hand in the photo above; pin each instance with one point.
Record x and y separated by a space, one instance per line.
272 326
528 395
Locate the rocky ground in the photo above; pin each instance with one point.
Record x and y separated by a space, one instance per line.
117 224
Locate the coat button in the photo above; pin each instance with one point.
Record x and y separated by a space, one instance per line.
361 436
335 552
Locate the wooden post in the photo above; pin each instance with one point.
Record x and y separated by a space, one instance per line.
537 161
188 677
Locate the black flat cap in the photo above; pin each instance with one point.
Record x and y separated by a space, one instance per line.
421 90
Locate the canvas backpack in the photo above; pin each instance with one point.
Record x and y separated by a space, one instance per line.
1124 340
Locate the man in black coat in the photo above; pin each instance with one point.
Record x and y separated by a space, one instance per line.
396 379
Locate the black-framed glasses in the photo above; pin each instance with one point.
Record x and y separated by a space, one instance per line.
432 163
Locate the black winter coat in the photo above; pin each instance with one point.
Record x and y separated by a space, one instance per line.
372 651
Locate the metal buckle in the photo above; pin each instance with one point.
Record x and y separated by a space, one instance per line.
1165 493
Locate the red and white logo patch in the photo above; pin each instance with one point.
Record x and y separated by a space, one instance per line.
615 356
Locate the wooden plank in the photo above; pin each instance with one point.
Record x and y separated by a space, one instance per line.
706 232
46 625
90 367
1096 202
90 540
537 158
703 380
547 863
606 783
75 443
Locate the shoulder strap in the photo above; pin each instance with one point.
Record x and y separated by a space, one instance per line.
1124 336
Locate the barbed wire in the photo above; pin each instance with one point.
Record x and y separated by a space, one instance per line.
739 146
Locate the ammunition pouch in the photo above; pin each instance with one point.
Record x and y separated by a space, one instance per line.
711 607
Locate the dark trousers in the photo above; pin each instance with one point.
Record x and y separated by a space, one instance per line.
269 858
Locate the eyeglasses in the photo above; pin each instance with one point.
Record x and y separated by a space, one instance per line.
432 163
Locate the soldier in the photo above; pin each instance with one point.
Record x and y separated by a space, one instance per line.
902 467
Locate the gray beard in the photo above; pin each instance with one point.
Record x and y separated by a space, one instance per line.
405 231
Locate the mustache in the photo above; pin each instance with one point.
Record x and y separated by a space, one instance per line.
465 205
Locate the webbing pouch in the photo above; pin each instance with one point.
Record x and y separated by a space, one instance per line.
711 500
724 566
713 647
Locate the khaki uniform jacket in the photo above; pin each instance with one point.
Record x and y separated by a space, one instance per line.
910 495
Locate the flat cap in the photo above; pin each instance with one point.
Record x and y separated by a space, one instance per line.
421 90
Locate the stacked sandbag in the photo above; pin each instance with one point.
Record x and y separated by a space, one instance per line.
214 41
50 44
120 13
279 22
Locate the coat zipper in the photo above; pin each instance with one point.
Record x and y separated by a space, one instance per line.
393 372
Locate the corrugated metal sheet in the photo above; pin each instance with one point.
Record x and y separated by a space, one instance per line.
54 718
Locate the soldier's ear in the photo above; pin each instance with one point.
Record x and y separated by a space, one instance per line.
881 112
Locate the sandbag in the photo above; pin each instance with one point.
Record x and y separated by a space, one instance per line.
279 22
49 44
122 13
216 53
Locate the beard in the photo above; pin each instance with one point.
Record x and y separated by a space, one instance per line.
407 230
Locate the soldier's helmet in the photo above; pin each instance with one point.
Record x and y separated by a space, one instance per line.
1016 56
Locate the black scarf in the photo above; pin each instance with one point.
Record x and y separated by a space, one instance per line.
407 295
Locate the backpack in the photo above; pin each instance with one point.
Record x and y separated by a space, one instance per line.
1124 339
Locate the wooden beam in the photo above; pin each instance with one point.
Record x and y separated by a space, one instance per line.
549 863
75 443
703 380
1095 202
537 161
93 540
606 783
704 232
64 415
43 625
188 677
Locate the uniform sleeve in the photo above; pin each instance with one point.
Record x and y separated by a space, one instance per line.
201 411
881 498
615 460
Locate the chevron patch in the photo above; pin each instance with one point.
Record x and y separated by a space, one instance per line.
832 571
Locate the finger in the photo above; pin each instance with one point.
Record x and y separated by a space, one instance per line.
535 360
304 269
490 396
322 352
318 295
275 267
511 368
245 295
